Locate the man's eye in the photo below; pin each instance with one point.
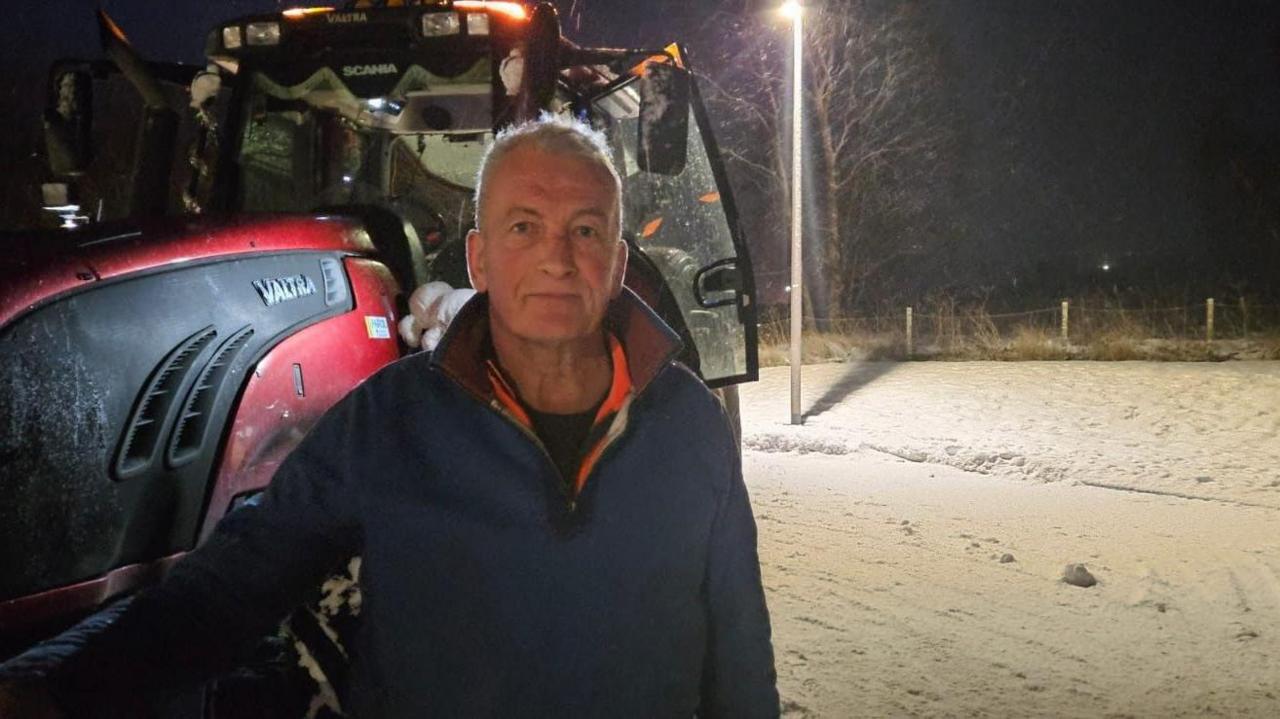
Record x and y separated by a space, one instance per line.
520 227
586 231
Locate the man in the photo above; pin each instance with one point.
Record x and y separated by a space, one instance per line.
550 511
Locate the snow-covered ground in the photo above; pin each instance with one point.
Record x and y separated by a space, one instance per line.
914 533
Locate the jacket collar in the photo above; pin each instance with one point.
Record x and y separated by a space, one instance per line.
462 354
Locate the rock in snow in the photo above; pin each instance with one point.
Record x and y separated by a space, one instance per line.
1078 576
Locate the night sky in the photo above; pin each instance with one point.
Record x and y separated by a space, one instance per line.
1088 121
1090 131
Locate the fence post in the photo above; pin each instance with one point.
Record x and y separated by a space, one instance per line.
910 342
1244 317
1066 313
1208 320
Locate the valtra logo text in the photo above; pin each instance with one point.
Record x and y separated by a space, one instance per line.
275 290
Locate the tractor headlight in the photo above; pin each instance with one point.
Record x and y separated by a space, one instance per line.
262 33
477 23
232 39
437 24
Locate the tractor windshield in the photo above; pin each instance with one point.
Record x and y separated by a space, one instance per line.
317 145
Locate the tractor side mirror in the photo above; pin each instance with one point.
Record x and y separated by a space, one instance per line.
68 119
663 132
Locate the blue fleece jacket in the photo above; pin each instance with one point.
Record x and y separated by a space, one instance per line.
487 590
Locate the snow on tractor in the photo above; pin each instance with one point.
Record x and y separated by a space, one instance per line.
244 238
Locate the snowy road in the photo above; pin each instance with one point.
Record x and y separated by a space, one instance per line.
884 520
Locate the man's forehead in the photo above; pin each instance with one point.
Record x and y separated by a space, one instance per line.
532 164
531 179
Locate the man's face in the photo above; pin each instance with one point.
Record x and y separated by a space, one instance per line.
547 250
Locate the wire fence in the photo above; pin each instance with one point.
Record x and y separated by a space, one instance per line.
944 326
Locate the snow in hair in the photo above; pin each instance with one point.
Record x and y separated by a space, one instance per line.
552 134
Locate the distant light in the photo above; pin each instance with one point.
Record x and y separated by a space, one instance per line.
787 289
791 9
1106 266
346 178
376 103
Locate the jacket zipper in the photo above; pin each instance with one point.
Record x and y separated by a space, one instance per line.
610 438
571 502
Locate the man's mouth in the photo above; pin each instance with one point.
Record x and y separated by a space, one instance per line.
553 296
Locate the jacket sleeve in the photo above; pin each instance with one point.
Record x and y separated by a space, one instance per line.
738 676
261 561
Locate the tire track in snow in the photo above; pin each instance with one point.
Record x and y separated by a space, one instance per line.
1177 495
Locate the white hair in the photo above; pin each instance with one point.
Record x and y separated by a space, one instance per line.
555 135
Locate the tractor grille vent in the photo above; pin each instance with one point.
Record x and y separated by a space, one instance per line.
193 424
334 287
146 424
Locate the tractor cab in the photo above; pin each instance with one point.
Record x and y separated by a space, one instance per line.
383 113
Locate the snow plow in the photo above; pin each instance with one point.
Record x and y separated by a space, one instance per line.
245 235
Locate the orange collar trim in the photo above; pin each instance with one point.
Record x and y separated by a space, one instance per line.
506 395
619 390
619 387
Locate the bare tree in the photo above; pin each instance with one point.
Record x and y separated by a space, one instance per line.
879 145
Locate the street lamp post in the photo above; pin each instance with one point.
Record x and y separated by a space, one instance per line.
795 12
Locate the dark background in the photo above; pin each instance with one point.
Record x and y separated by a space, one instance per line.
1141 134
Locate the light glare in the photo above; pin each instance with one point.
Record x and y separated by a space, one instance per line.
513 10
297 13
791 9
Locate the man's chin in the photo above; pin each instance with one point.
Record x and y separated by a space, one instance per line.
550 332
547 326
554 338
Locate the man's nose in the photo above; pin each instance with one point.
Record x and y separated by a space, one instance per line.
557 255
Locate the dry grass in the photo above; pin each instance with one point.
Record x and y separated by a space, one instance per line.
1034 343
948 331
1269 348
821 347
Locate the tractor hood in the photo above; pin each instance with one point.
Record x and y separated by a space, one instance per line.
41 266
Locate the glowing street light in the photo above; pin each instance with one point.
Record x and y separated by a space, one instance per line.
793 11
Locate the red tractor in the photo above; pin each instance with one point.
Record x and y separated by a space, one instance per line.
242 258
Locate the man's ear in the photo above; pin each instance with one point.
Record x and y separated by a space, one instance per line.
475 261
619 270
